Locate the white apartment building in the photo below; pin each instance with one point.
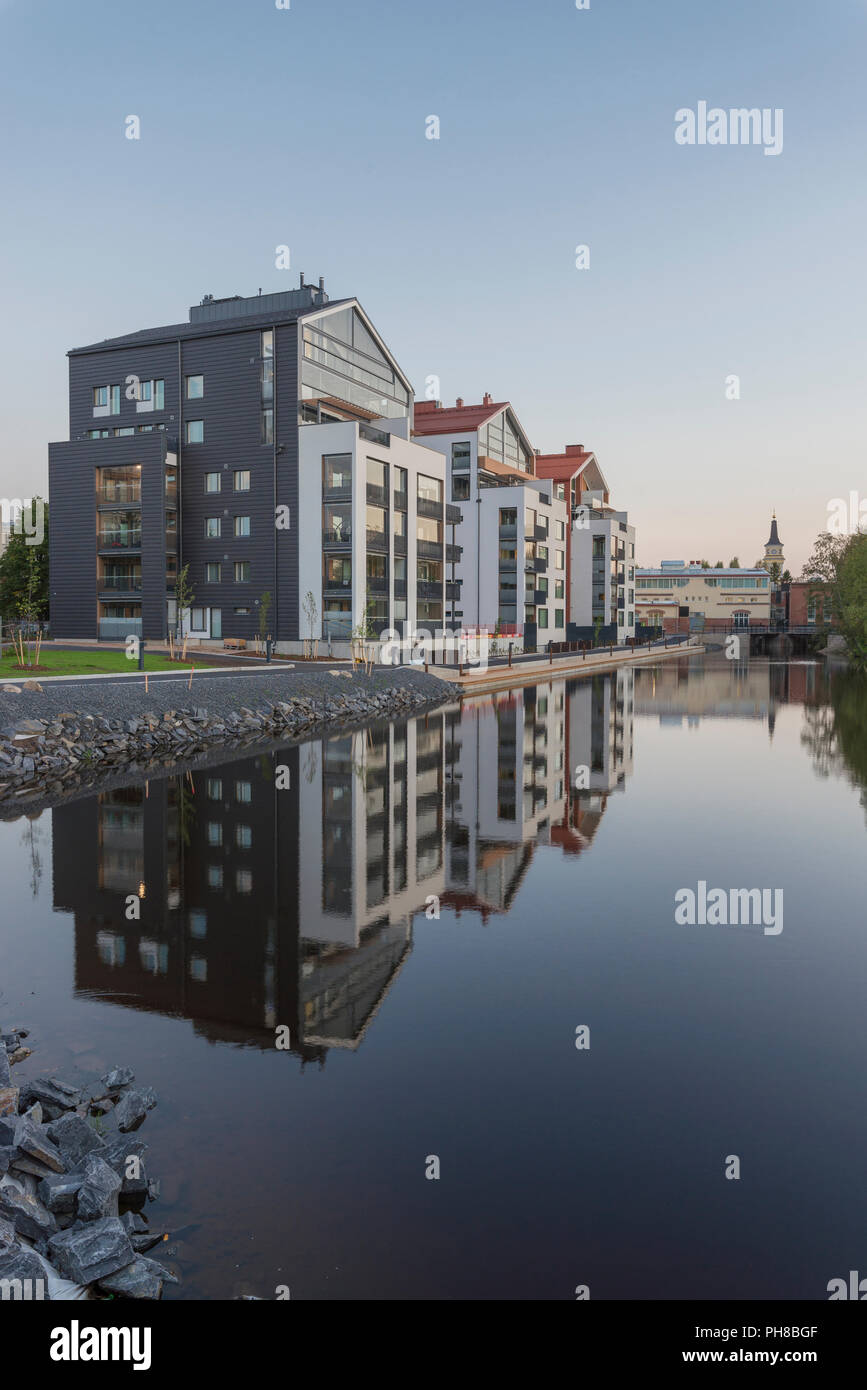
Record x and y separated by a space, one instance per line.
512 568
376 533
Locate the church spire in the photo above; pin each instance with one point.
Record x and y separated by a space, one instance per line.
774 538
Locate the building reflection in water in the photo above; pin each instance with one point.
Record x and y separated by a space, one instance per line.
281 888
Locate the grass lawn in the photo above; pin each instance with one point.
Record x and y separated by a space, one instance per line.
87 663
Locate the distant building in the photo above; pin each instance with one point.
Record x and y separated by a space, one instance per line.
677 596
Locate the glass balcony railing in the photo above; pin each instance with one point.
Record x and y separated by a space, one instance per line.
125 583
119 540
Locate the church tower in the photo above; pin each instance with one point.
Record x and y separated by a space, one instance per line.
774 548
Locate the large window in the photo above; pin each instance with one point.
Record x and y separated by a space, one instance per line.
195 387
267 427
426 529
337 472
337 522
377 474
461 456
337 572
429 489
242 571
242 526
242 479
268 342
212 482
195 431
212 572
100 396
377 521
341 359
213 526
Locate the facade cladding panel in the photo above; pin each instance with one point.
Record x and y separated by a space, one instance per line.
230 408
73 583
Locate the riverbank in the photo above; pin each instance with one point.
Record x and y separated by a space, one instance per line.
63 738
473 680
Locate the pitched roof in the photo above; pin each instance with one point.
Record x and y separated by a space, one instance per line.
172 331
432 418
774 538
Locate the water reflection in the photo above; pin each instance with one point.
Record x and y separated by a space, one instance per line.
282 887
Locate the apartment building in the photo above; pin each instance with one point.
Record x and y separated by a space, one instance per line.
677 596
600 557
512 570
245 444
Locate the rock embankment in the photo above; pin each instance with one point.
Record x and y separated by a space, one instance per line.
73 1185
55 750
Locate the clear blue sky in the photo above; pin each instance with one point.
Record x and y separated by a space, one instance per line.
307 127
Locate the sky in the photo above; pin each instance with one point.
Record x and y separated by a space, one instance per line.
306 127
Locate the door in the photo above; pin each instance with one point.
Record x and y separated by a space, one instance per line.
216 622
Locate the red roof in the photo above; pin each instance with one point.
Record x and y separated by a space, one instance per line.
562 466
432 418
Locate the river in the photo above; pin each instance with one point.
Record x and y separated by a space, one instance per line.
464 926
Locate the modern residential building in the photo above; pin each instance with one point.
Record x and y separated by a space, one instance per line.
512 571
265 444
600 557
677 597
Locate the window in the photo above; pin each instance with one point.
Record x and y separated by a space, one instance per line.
243 881
145 391
242 479
115 400
197 619
159 395
559 586
268 342
267 380
98 434
243 836
337 472
559 619
267 435
242 571
460 488
461 456
122 433
215 875
426 529
559 530
212 573
541 617
215 789
195 432
215 833
213 527
242 526
542 553
559 560
242 612
100 396
400 475
195 388
243 791
429 489
212 482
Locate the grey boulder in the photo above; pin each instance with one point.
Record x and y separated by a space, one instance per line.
92 1251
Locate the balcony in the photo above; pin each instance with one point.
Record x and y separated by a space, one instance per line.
454 553
454 515
400 545
540 597
508 567
508 530
340 540
377 540
119 540
508 598
424 589
121 583
400 588
453 589
377 583
374 436
429 550
120 496
337 586
541 533
426 506
376 495
341 492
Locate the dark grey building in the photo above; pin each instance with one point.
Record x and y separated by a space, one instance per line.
183 449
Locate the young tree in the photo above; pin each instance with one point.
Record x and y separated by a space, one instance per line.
264 610
719 565
734 563
184 596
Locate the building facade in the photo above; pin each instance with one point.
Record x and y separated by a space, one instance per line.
512 571
186 448
600 557
676 596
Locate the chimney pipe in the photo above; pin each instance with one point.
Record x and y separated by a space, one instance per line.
322 284
487 399
301 286
460 402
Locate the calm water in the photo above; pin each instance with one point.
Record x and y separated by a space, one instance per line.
305 907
